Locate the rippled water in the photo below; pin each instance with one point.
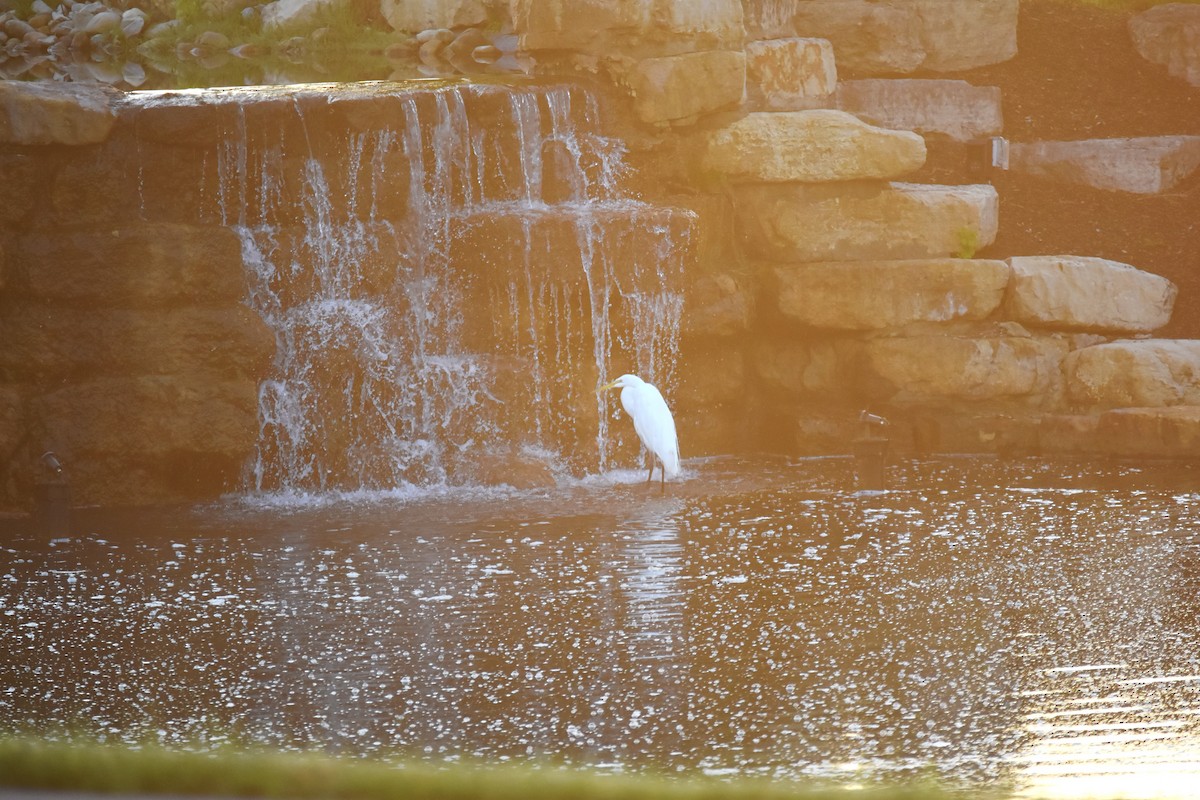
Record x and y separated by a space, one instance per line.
1024 625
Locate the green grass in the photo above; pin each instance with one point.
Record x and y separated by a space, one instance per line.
48 765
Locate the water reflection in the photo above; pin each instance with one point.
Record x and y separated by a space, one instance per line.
1023 625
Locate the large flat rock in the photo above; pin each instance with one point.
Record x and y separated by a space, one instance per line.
1169 35
54 112
1140 165
997 367
809 146
790 74
952 108
871 295
678 89
1084 293
865 221
902 36
1143 372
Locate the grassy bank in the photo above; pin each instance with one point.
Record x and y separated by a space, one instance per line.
35 764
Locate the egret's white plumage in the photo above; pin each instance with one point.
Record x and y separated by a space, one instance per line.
652 420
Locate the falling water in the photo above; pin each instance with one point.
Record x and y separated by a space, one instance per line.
448 283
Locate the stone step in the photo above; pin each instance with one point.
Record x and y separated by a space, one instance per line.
1143 372
951 108
865 221
875 295
998 364
1009 366
808 146
1141 165
1083 293
789 74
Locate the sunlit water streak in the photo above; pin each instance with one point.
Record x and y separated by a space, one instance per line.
1025 625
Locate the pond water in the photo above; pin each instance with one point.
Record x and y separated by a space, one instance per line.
1023 625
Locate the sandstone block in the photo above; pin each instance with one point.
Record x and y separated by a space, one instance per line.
54 342
1150 432
1142 165
865 221
806 369
1169 35
906 35
151 439
768 19
414 16
712 376
1077 292
54 112
867 295
788 74
996 367
678 89
605 26
717 305
155 415
955 109
810 146
1144 372
132 266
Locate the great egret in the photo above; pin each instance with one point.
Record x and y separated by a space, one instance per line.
653 422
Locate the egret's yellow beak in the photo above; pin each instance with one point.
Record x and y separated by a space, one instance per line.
607 386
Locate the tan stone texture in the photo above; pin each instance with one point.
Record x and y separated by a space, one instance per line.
810 146
1143 372
868 295
865 221
1085 293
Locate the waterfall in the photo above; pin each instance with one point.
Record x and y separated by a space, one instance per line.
449 280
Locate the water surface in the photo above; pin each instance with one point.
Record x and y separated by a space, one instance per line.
1027 625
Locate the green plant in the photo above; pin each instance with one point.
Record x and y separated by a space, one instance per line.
968 242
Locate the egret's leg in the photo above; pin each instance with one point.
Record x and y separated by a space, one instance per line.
663 467
650 477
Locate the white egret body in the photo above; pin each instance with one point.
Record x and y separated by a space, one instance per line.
652 420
